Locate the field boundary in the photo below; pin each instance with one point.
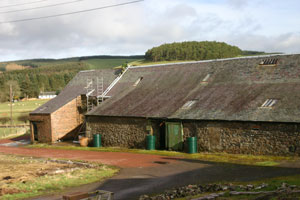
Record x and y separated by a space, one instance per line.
15 126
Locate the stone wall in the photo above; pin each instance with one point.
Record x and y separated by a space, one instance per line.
66 119
213 136
43 123
120 132
246 138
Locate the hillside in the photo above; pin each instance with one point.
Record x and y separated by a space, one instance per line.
192 51
30 77
40 75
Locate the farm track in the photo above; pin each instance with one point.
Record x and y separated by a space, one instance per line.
147 174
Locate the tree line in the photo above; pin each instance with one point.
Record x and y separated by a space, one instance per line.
192 51
28 83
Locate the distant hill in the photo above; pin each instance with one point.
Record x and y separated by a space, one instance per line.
93 62
30 77
192 51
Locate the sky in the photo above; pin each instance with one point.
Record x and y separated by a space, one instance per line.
132 29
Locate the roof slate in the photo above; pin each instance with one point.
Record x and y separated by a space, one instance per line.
235 90
75 88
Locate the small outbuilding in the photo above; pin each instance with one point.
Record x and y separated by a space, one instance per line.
245 105
63 116
47 95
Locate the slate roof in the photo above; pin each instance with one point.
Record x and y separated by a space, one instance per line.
235 90
75 88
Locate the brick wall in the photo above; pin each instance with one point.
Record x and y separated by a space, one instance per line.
54 126
43 123
66 119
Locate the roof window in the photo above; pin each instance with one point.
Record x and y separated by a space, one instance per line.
269 103
138 81
269 62
189 104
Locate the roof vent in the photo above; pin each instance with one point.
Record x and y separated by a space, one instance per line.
188 104
269 62
269 103
138 81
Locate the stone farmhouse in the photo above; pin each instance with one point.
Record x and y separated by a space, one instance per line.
244 105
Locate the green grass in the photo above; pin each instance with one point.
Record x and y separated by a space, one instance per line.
144 62
212 157
106 63
19 108
53 184
12 132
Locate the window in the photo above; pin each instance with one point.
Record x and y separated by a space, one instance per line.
189 104
269 103
269 62
138 81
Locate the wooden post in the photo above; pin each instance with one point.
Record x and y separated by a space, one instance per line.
11 100
31 132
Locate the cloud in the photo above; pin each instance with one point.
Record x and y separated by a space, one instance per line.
238 3
286 43
135 28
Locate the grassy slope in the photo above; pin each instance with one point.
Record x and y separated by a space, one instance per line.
94 62
106 63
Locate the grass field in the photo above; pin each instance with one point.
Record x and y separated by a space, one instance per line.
21 112
19 109
24 177
106 63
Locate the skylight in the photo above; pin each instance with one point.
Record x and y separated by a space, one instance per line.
138 81
269 62
269 103
189 104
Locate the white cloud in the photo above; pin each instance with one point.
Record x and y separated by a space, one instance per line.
132 29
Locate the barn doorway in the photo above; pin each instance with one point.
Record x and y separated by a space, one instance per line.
35 131
162 135
173 136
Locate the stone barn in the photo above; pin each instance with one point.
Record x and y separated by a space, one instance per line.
63 116
245 105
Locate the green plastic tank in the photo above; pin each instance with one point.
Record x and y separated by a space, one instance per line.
150 140
97 140
192 145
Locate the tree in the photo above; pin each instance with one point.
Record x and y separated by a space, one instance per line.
192 51
5 95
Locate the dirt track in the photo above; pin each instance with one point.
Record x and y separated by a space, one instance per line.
148 174
122 160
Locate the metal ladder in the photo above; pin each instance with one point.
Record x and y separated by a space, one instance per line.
100 89
89 91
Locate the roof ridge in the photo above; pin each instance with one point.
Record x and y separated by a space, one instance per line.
212 60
